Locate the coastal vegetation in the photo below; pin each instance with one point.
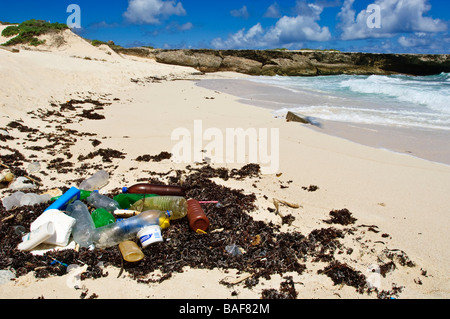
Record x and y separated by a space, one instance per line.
28 31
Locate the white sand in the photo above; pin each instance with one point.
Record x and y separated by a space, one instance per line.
405 197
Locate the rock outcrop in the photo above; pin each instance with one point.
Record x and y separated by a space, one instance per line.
297 63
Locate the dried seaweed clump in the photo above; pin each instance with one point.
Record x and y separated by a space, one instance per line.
155 158
105 153
344 274
342 216
286 291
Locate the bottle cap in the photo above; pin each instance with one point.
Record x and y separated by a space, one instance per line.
165 223
199 223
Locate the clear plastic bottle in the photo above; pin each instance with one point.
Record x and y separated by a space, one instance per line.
96 181
84 226
98 200
162 190
175 204
113 234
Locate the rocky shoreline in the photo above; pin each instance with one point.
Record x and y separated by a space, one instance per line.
296 63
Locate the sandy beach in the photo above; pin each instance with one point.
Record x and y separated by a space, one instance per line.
400 202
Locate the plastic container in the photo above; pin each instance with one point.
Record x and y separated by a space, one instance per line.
63 226
126 200
102 217
130 251
84 227
150 235
37 236
196 216
113 234
96 181
64 200
98 200
175 204
162 190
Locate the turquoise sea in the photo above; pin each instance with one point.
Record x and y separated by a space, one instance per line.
398 100
405 114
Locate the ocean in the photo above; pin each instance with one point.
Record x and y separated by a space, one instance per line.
400 113
398 100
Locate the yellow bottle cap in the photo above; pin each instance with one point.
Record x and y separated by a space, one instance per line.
164 223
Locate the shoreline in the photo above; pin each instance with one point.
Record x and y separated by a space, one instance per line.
426 144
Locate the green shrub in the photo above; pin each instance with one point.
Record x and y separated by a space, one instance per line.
10 31
96 43
28 31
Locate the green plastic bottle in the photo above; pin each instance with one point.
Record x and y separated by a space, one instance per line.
127 200
102 217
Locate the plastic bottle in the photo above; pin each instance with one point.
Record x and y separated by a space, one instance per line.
126 200
175 204
84 194
33 199
37 236
84 227
130 251
162 190
102 217
113 234
96 181
98 200
196 216
12 200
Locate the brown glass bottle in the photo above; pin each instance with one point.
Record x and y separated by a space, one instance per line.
162 190
196 216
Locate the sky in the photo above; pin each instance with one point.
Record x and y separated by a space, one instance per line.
379 26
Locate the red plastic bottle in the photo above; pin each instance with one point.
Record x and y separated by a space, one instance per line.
162 190
196 216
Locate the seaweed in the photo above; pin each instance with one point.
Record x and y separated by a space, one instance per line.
342 216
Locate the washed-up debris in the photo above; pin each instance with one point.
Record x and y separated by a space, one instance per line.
234 240
342 216
155 158
286 291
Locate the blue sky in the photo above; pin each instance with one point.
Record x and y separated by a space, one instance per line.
400 26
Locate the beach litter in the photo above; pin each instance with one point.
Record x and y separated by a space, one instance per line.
157 232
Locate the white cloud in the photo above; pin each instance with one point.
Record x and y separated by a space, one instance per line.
286 32
240 13
152 11
396 16
290 30
242 38
273 11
